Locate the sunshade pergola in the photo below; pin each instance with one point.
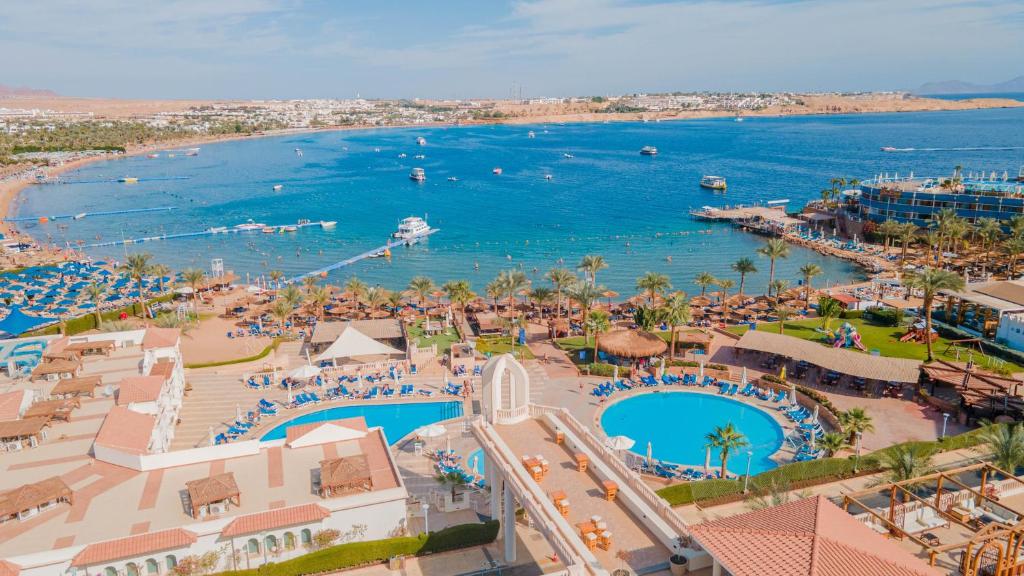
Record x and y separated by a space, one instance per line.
216 488
352 343
340 476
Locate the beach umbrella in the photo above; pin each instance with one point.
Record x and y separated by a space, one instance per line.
700 373
431 431
213 437
649 451
615 373
238 412
792 394
707 460
743 377
621 442
815 418
447 443
662 366
304 372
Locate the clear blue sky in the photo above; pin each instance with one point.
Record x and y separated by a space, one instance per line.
465 49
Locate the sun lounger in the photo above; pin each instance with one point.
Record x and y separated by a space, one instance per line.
389 393
372 393
733 389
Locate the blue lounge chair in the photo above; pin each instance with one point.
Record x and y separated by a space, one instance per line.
372 393
733 389
389 393
723 387
220 439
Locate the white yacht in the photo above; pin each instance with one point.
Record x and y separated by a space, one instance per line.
250 225
278 187
713 182
421 141
531 134
649 151
412 228
417 175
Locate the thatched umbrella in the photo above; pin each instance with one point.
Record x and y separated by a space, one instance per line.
700 301
609 294
632 344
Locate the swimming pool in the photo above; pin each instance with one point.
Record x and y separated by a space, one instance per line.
398 420
675 424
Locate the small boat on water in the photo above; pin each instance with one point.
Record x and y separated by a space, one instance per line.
290 228
249 226
453 179
888 149
496 171
548 177
79 216
531 134
567 155
402 155
217 229
268 230
713 182
128 180
649 151
420 156
194 152
278 187
152 155
304 221
421 141
328 223
418 175
412 228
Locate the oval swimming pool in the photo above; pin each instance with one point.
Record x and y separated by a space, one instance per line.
675 424
398 420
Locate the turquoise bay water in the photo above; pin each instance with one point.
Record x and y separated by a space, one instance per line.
607 199
398 420
675 424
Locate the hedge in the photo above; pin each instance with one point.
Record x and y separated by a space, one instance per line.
88 321
851 314
885 316
376 551
607 370
692 364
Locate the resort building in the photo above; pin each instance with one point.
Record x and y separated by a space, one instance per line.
993 310
918 200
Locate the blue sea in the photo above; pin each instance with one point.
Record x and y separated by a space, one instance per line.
606 199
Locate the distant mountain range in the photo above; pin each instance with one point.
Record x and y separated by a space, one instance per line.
23 91
958 87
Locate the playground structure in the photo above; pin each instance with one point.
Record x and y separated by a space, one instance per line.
916 333
845 336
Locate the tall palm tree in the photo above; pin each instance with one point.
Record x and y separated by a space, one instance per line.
783 313
512 283
459 294
540 296
160 271
725 284
930 282
773 249
779 286
276 276
585 295
725 439
907 461
809 271
138 266
318 297
1014 247
357 288
654 284
828 310
292 296
989 230
888 229
494 291
676 312
394 300
195 278
704 279
743 266
856 420
95 294
281 311
562 278
598 323
590 265
376 296
421 287
907 233
1006 442
309 283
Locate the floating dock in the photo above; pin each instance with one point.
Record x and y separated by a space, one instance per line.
208 232
769 218
121 180
81 215
368 254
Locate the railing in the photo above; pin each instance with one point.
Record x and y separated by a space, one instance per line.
561 538
513 415
660 506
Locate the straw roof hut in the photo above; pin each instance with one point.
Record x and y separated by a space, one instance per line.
339 476
216 488
632 344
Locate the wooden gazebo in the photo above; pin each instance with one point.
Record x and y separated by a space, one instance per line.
75 387
339 476
53 409
631 344
215 489
30 498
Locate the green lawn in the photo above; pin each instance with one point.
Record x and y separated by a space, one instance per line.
572 346
883 338
500 345
444 340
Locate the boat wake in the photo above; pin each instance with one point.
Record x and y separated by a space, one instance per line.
957 149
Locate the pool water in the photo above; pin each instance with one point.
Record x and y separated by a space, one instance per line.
675 424
397 420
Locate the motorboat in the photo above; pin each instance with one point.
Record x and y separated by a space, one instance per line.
453 179
194 152
412 228
328 223
290 228
79 216
248 226
649 151
218 229
888 149
421 141
268 230
420 156
531 134
128 180
567 155
417 175
496 171
152 155
402 155
278 187
713 182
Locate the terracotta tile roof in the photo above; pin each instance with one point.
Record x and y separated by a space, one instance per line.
23 428
10 404
293 433
133 546
126 430
375 448
216 488
140 389
164 368
253 523
31 495
9 568
77 386
811 536
160 337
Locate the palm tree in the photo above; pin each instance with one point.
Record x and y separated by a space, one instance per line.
494 291
590 265
281 310
292 296
309 283
783 313
357 288
930 282
907 461
394 300
376 296
541 295
773 249
725 439
907 233
585 295
1006 442
856 420
194 277
512 283
744 266
809 271
562 278
160 271
1014 247
276 276
451 479
421 287
459 294
832 442
654 284
95 294
779 286
888 229
676 313
989 230
828 310
137 267
725 284
598 323
318 297
704 279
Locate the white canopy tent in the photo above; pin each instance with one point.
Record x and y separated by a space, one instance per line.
352 343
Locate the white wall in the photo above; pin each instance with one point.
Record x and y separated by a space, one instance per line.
145 462
1011 331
